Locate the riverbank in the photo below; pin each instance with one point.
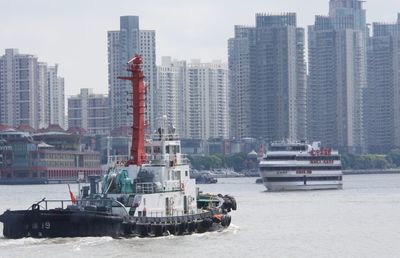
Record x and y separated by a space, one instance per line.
371 171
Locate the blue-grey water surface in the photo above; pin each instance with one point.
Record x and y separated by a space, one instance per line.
362 220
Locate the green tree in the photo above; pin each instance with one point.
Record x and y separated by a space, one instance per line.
394 157
237 161
215 161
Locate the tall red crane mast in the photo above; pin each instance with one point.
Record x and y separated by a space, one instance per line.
137 155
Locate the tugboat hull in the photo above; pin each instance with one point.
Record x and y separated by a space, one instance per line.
60 223
66 223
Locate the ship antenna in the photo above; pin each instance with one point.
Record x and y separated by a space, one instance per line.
137 155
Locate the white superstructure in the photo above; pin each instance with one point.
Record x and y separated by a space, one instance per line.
300 166
161 187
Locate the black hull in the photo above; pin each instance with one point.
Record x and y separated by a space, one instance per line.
60 223
72 223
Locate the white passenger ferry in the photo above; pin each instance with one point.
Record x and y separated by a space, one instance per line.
300 166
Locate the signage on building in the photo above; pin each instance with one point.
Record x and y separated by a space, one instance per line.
321 152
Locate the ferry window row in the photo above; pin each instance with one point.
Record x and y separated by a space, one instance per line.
300 168
288 148
293 157
301 179
318 158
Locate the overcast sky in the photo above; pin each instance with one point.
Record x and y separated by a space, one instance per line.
73 33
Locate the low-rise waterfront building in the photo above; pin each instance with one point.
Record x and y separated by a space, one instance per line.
45 157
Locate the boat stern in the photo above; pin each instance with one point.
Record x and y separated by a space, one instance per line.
13 226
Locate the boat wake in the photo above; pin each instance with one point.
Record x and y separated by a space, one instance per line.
75 242
4 242
232 229
83 242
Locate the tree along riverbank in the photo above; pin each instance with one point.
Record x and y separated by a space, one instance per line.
371 171
380 163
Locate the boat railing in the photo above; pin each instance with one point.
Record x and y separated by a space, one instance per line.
51 204
145 188
172 213
163 136
163 159
176 217
157 159
150 187
185 159
113 159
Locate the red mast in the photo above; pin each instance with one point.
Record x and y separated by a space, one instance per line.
138 156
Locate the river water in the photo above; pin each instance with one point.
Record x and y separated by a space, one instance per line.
362 220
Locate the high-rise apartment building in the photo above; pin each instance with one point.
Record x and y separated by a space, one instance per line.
122 46
89 111
194 98
19 87
268 79
240 49
207 100
56 97
31 93
147 49
172 94
43 96
337 76
382 96
349 11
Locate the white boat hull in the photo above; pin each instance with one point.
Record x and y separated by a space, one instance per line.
289 186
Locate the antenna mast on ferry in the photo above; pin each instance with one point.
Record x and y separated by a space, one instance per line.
137 155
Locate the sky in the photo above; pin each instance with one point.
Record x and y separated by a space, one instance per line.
73 33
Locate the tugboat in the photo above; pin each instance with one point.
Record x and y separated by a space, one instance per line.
148 195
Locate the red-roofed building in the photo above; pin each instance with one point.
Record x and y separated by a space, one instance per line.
25 128
5 127
77 130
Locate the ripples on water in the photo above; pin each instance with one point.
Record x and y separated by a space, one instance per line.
362 220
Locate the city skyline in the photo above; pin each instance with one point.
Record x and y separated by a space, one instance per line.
78 39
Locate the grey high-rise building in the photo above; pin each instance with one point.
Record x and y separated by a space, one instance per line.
382 96
43 96
207 85
268 79
31 93
89 111
239 50
147 49
337 76
122 46
56 98
19 87
194 98
173 94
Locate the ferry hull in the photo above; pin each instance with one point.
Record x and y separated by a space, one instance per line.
298 187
